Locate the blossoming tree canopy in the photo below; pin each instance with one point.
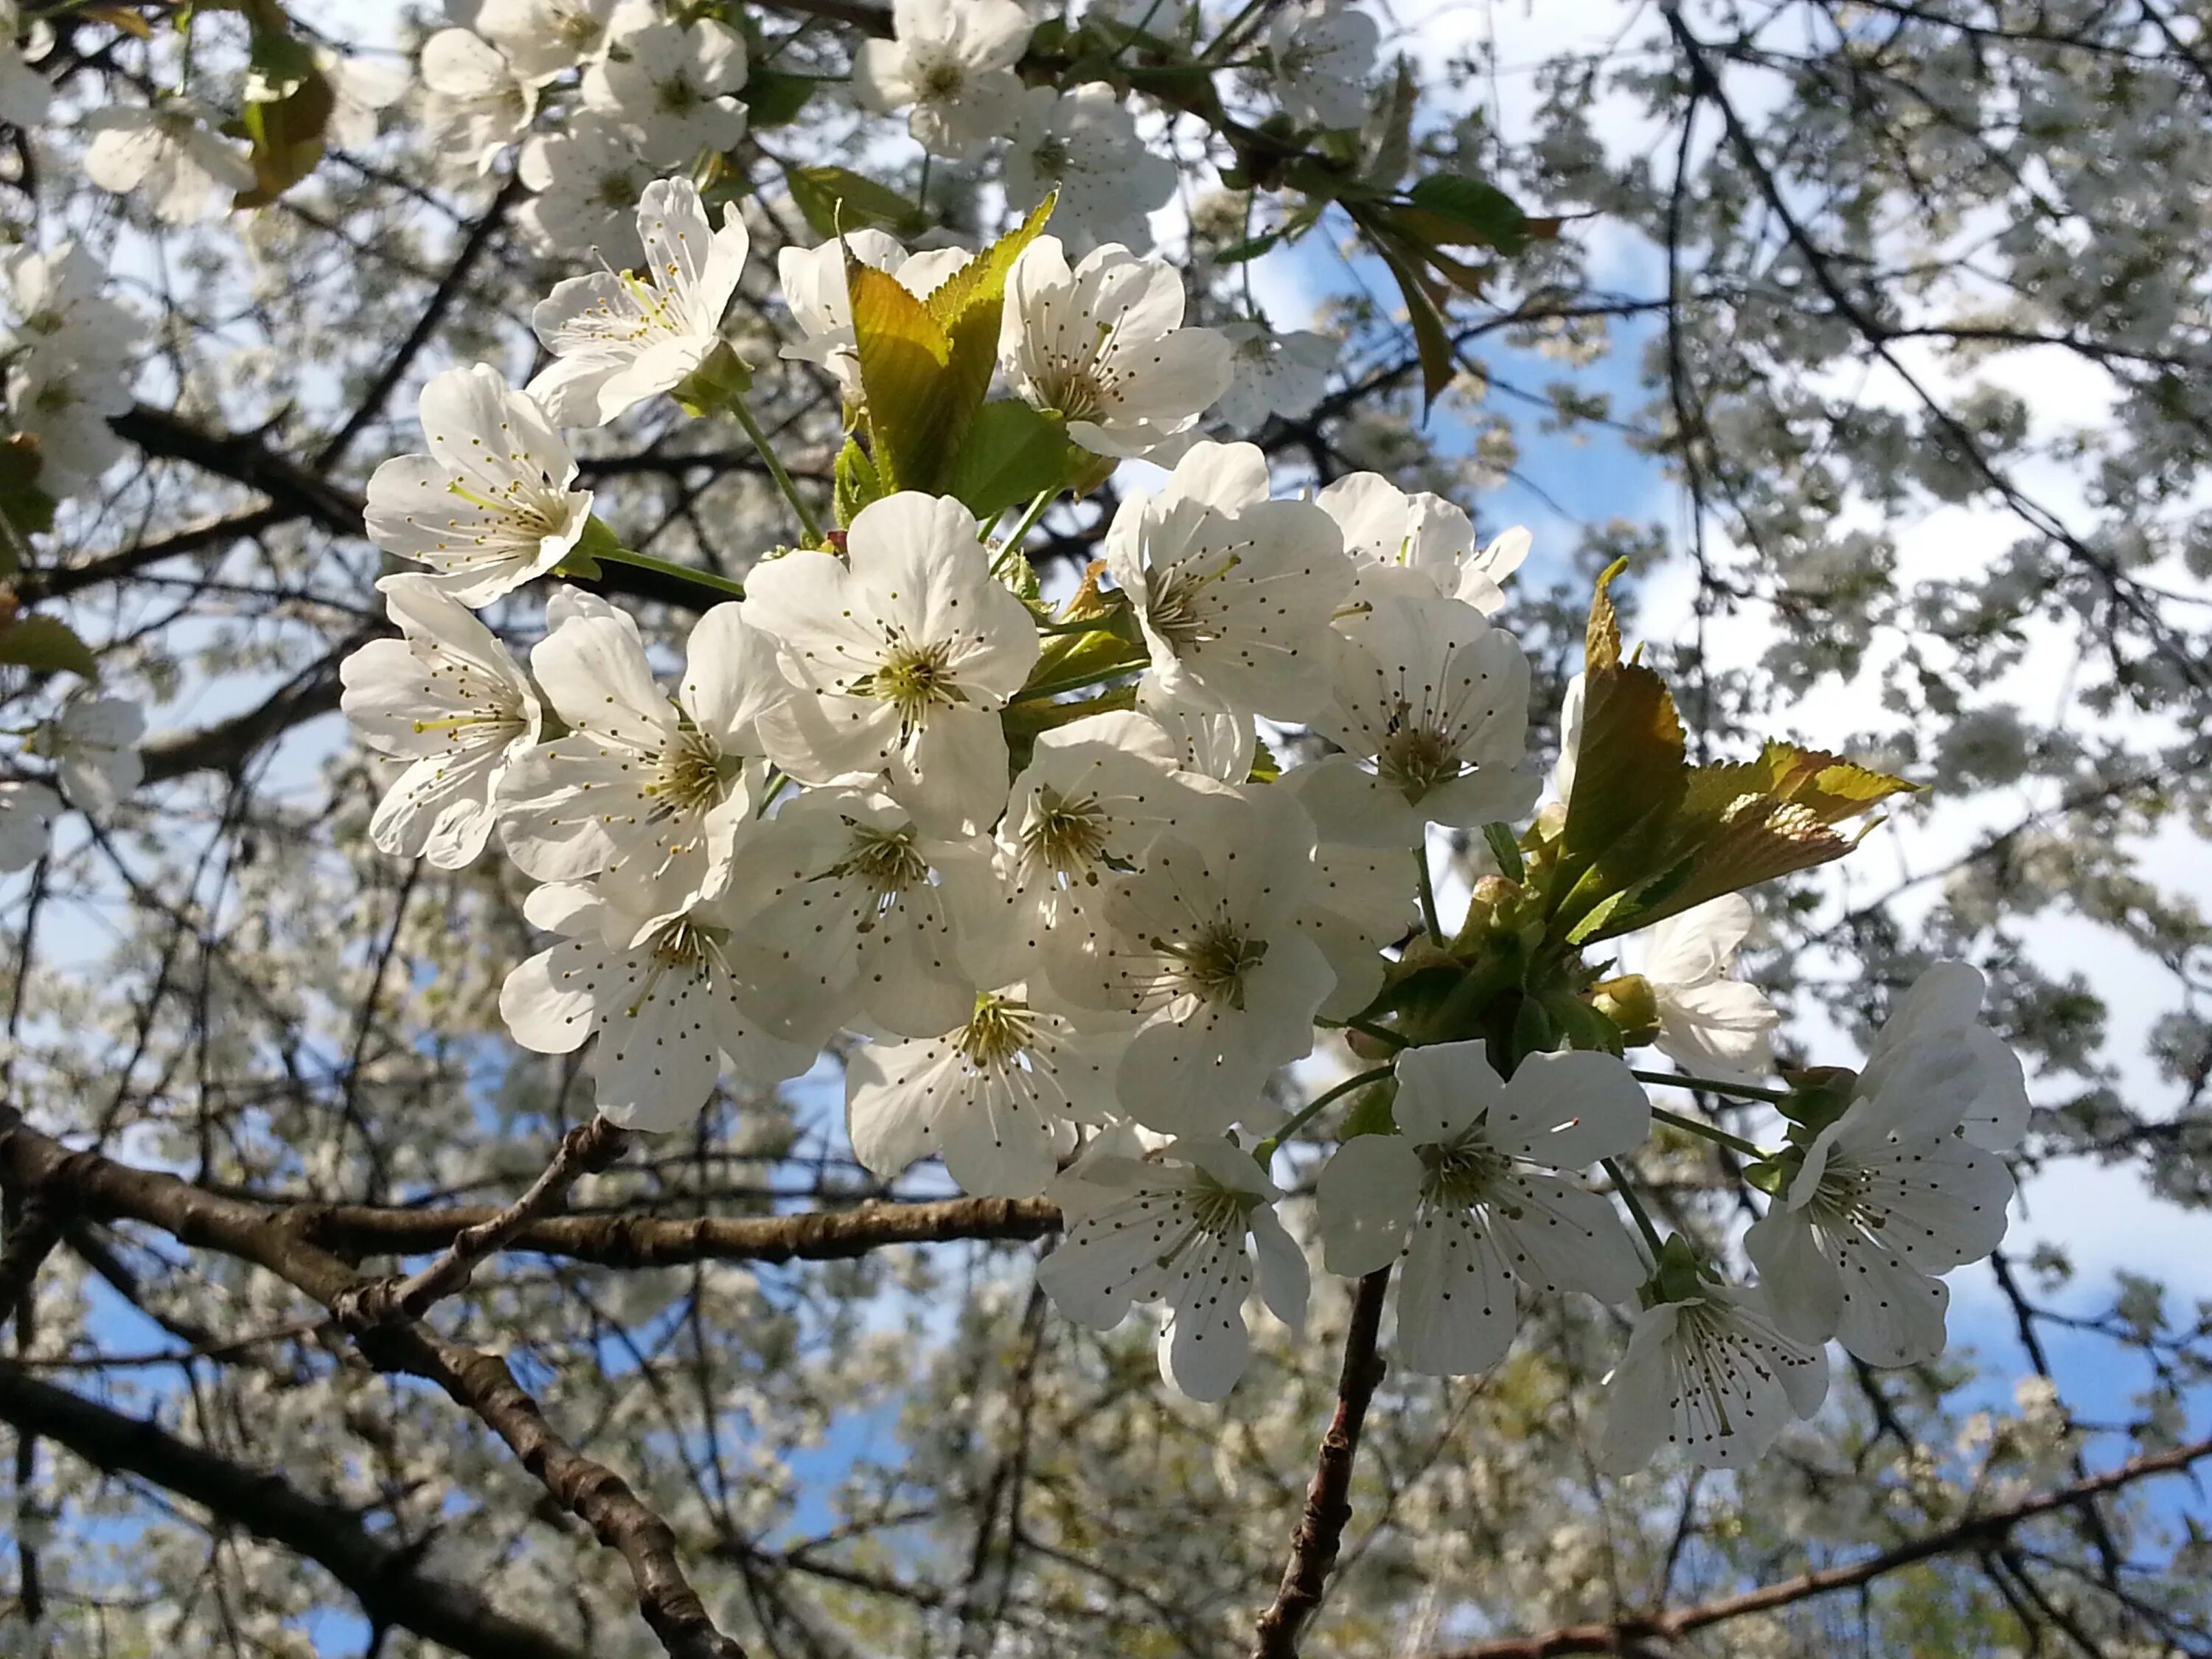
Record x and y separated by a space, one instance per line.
889 699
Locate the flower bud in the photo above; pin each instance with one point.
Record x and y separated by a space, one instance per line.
1631 1005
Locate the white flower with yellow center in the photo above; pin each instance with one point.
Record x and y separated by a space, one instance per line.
951 62
673 88
1886 1198
619 337
1184 1226
1712 1376
658 993
1473 1192
1234 591
649 790
448 698
170 156
903 652
998 1096
846 911
1103 346
1083 144
1430 707
491 506
1386 530
1202 945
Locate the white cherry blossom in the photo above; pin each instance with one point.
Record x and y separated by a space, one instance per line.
1885 1198
657 993
1709 1025
1322 53
998 1096
1473 1193
1103 345
904 651
65 325
1361 898
543 38
448 698
672 87
1273 374
1234 591
477 105
27 812
1712 1376
846 910
814 287
491 506
1942 1010
1386 529
1095 795
1185 1226
649 790
1084 144
66 406
1202 945
169 155
362 89
1430 706
952 62
590 178
618 338
93 746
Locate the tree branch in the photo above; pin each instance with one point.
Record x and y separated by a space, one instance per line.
1321 1526
1974 1533
386 1579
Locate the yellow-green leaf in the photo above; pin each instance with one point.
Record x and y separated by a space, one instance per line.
903 354
968 306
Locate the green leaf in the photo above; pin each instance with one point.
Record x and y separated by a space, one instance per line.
287 132
48 645
1010 453
1387 141
774 99
1250 248
1431 339
857 483
968 306
834 200
1482 215
1630 768
1506 851
903 354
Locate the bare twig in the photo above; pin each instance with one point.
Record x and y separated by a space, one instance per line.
585 1150
1973 1532
1319 1531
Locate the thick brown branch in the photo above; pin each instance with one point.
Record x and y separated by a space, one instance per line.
1319 1531
386 1579
1974 1534
623 1241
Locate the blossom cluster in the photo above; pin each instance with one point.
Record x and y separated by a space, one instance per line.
67 350
1037 865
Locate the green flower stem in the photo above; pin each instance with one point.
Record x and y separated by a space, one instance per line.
1429 919
1012 545
1748 1091
1094 676
1306 1115
1710 1132
1619 1179
806 523
721 586
1211 56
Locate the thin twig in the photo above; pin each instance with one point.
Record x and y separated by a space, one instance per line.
1319 1531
